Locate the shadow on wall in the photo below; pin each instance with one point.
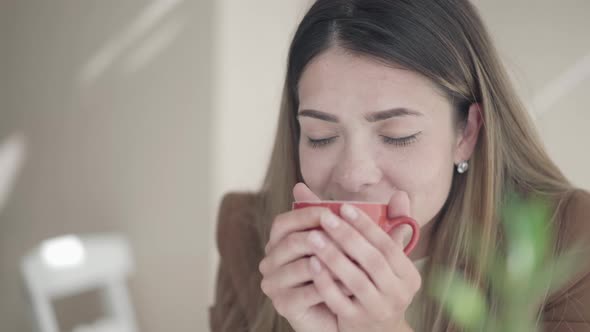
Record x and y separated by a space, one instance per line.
12 156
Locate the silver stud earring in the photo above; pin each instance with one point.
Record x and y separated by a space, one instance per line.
462 167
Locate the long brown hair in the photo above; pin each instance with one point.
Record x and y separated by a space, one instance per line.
447 42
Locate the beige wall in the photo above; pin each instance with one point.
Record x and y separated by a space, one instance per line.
546 46
114 99
140 115
4 103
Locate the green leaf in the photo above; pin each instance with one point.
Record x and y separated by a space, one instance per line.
464 303
528 236
558 271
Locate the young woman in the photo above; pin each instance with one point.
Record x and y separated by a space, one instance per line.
400 102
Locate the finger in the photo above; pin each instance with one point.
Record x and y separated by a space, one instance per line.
296 300
342 286
364 300
357 246
351 275
391 251
293 221
290 248
285 265
335 299
289 276
301 192
399 206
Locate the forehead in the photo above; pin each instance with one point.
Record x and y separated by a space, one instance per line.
336 80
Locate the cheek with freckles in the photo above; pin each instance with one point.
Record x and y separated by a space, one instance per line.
429 192
425 174
316 170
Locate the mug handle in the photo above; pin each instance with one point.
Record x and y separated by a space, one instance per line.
390 224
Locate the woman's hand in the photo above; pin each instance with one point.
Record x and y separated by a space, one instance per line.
322 301
382 279
287 276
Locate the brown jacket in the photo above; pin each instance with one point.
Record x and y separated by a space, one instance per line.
238 292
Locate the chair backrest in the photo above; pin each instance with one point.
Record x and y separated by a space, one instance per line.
72 264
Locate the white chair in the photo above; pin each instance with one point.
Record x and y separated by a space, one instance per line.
69 265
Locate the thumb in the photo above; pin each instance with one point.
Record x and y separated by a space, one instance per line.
399 206
302 193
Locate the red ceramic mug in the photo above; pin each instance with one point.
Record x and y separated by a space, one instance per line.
375 211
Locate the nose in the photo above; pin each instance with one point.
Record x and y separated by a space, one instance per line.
357 171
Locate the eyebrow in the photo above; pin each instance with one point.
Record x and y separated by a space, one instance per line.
371 117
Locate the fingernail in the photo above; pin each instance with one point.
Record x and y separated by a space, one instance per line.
315 265
316 239
329 220
349 212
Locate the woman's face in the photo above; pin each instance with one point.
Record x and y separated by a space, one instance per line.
368 130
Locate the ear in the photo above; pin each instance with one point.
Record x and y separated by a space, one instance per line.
467 136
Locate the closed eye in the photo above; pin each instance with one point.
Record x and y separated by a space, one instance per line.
397 141
400 141
318 143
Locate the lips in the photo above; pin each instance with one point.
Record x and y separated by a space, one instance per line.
359 199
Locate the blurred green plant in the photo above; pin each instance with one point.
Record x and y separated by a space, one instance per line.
520 276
